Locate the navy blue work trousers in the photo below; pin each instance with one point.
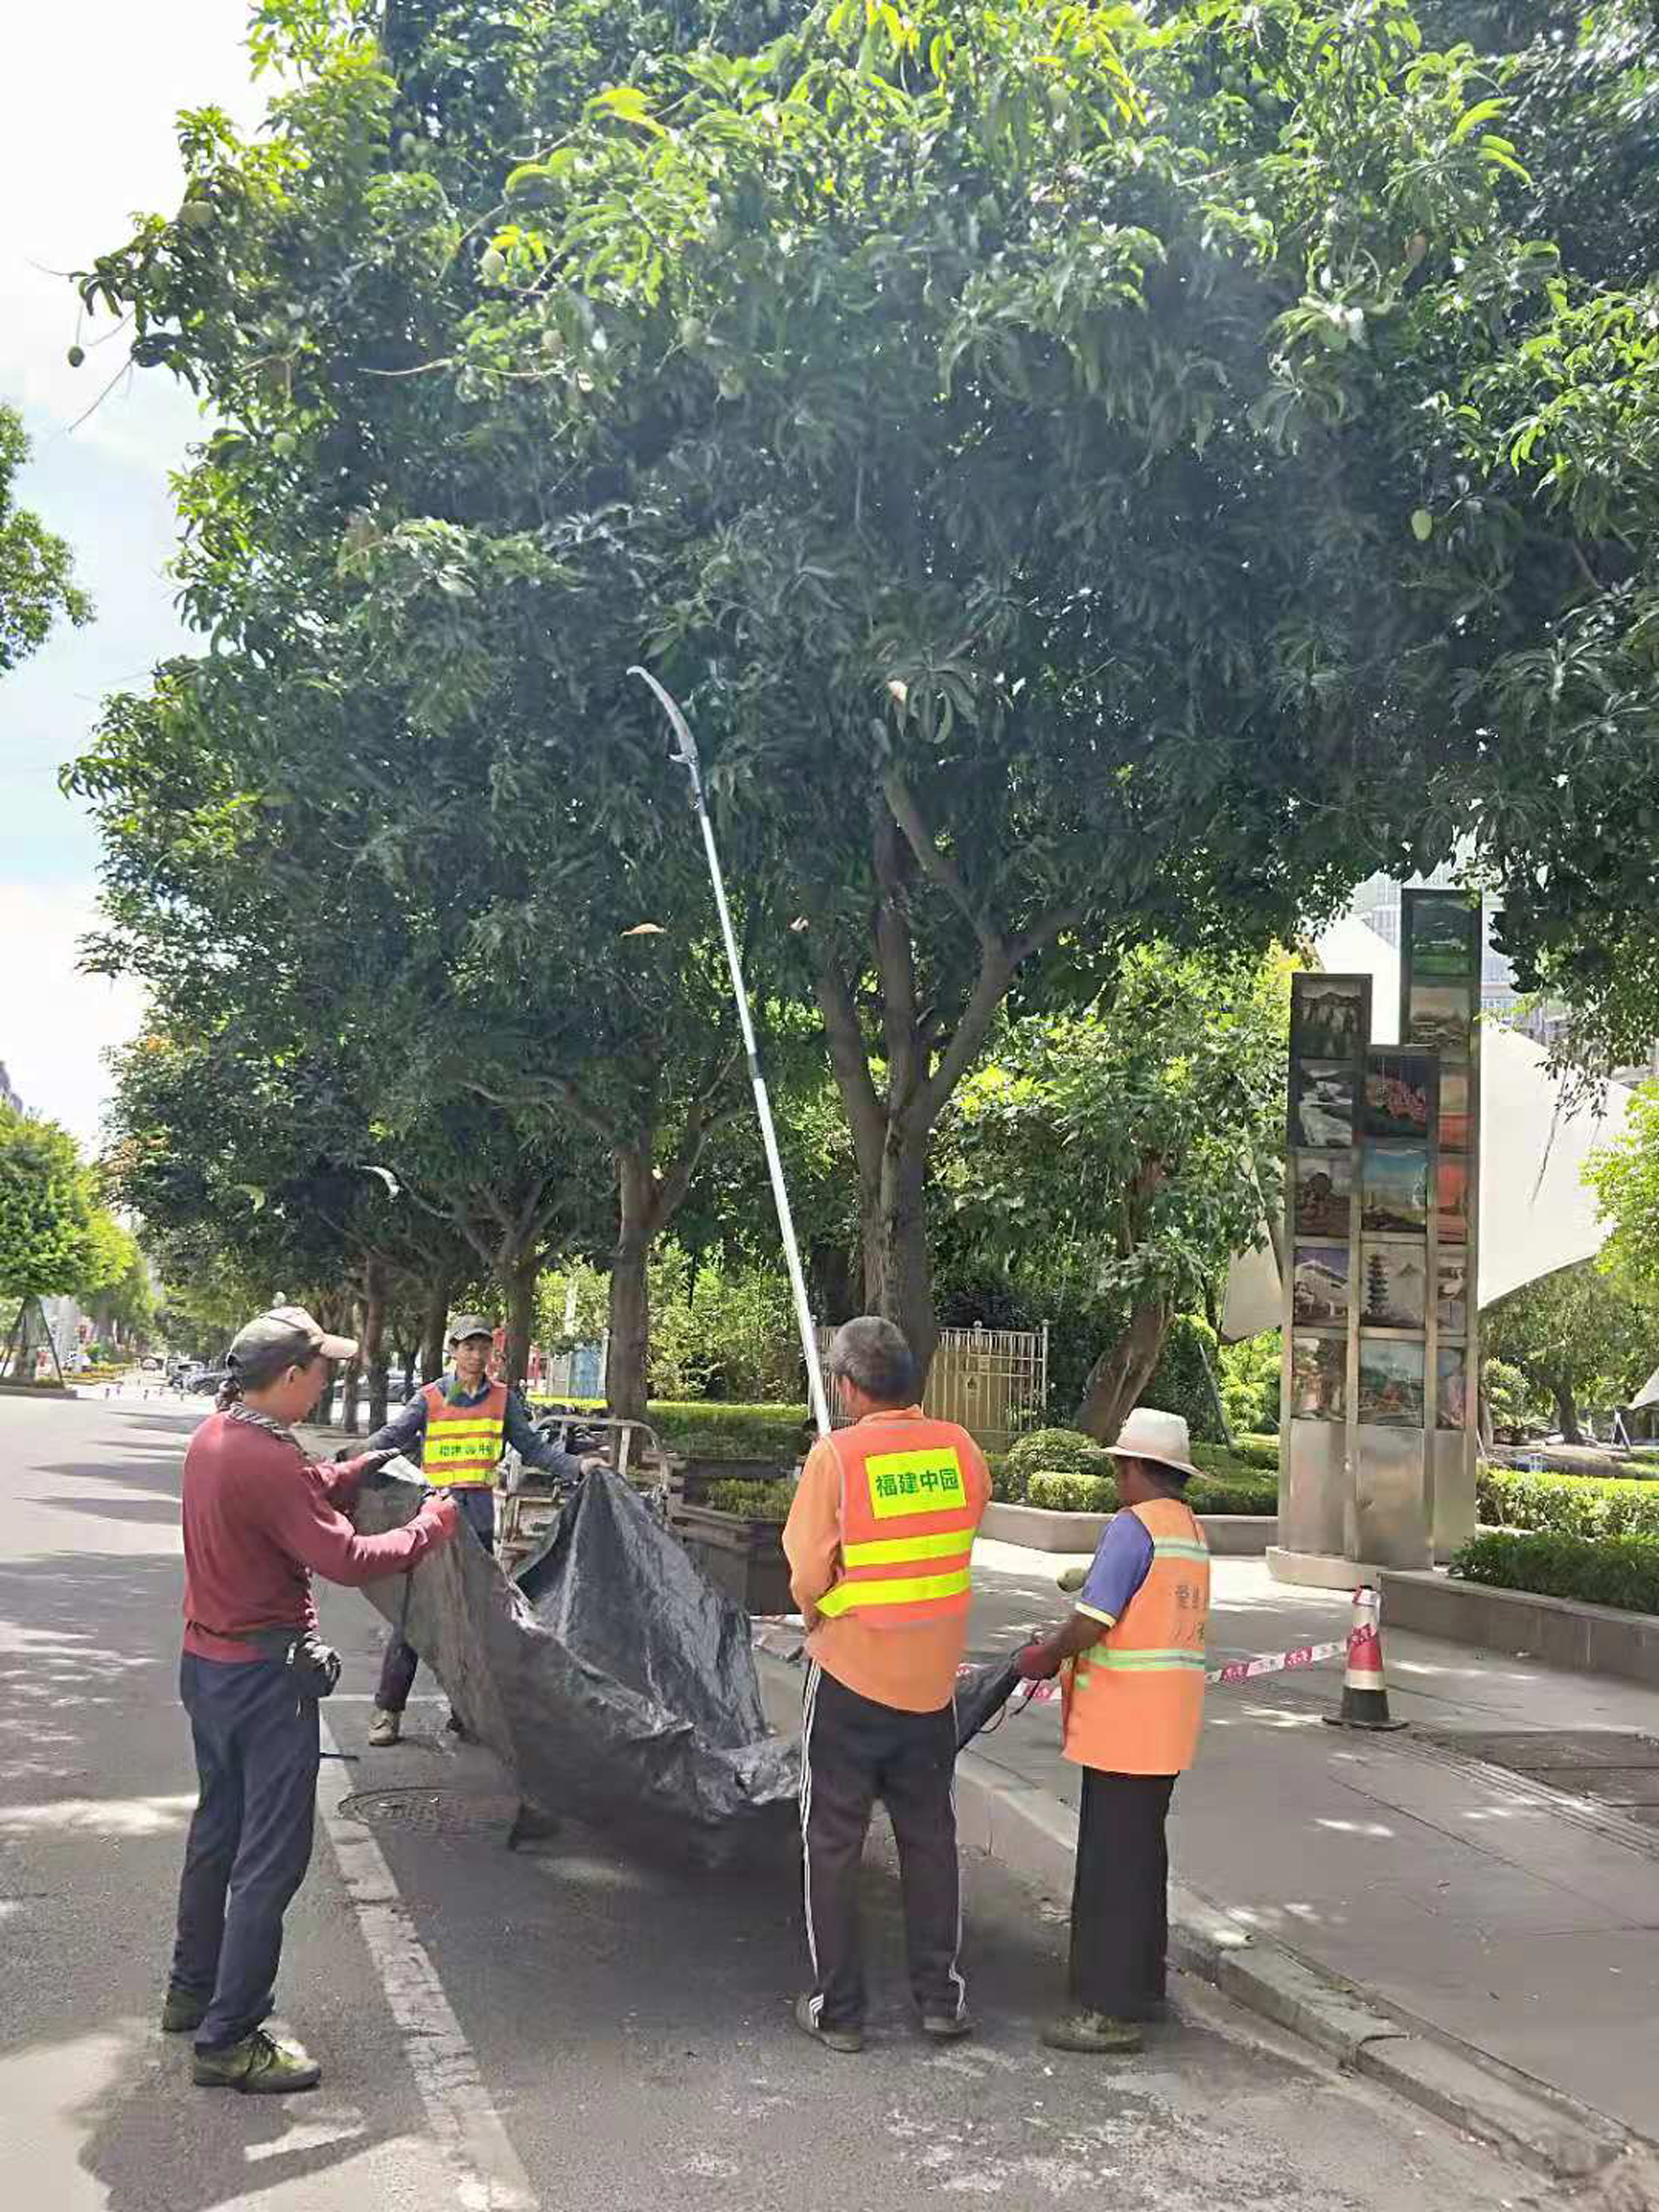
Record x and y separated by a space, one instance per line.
250 1840
399 1668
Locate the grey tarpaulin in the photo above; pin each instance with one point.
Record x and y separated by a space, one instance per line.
613 1681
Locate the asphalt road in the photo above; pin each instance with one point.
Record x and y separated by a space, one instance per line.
569 2032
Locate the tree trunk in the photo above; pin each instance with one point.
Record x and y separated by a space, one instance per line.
434 1330
1121 1373
627 1369
898 1267
407 1361
349 1422
519 1286
372 1340
1567 1412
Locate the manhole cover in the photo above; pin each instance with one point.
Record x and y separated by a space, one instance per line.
437 1812
1615 1765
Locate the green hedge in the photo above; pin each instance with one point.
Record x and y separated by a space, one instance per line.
1057 1452
706 1429
1236 1489
754 1501
1622 1570
1567 1505
1258 1452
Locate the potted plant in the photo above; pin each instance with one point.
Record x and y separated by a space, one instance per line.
736 1535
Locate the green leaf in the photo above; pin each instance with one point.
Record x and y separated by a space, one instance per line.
1422 524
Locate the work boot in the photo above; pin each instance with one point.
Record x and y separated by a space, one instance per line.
261 2065
183 2013
1096 2034
947 2028
845 2040
387 1728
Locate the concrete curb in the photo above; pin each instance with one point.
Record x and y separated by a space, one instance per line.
1561 1631
1038 1529
1030 1833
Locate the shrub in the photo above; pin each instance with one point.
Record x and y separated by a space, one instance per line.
705 1428
1059 1493
1058 1451
1567 1505
1228 1488
1237 1489
1622 1570
1261 1451
754 1502
1007 1482
1249 1374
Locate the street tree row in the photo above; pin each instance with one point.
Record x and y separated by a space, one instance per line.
1092 480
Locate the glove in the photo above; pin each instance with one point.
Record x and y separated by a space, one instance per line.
1036 1663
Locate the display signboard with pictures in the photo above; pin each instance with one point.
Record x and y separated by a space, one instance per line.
1452 1299
1329 1017
1398 1094
1443 937
1451 1200
1394 1286
1322 1106
1394 1188
1451 1408
1320 1292
1318 1378
1454 1110
1440 1019
1391 1382
1323 1186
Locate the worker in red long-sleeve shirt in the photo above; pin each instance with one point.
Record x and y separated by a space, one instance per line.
259 1519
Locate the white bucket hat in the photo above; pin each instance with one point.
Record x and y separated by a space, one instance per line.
1161 1437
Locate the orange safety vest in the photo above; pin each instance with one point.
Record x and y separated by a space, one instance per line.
907 1522
1134 1703
464 1443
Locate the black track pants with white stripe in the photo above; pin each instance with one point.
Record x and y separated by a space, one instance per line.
854 1751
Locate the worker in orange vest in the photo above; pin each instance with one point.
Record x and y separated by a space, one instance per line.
460 1426
878 1542
1133 1652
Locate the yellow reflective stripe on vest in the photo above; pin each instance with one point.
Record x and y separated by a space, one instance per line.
1138 1662
893 1551
910 1589
1169 1547
443 1424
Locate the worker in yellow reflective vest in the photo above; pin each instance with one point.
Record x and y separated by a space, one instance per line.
1133 1652
459 1427
878 1542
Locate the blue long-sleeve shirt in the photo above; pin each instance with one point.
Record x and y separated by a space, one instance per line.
406 1431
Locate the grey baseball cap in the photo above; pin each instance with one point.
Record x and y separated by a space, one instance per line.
289 1329
470 1324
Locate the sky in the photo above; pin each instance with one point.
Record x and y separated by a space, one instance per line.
92 90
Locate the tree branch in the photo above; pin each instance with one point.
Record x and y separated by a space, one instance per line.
935 865
847 1056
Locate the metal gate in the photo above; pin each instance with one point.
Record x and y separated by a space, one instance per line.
994 1382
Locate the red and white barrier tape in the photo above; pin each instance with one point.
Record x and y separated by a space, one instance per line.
767 1636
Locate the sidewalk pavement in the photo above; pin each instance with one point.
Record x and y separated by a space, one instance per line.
1511 1919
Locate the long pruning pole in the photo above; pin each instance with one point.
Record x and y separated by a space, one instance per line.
687 758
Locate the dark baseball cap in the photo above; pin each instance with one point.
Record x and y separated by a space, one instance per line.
291 1330
470 1324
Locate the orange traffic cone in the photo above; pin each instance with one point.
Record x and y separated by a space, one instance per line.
1365 1688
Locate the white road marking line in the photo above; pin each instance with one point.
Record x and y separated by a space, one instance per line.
489 2177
